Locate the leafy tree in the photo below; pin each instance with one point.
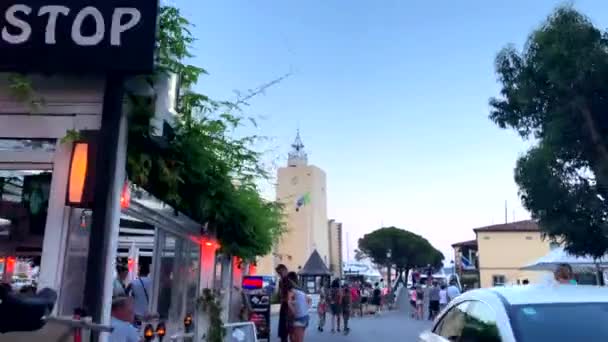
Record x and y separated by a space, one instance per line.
391 246
555 92
201 168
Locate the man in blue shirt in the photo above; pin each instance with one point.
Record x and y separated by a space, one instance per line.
122 321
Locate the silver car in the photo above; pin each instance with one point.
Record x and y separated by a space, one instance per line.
530 313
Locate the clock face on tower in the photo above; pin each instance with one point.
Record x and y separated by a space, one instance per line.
294 180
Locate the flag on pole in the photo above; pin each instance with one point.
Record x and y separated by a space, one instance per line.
302 201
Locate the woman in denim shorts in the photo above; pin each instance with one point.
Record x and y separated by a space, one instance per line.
298 305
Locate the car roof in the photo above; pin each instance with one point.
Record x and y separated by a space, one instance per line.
544 294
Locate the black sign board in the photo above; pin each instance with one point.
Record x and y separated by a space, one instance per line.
259 302
76 36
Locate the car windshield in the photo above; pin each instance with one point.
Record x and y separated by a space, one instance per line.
560 322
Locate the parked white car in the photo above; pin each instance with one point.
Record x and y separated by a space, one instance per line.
531 313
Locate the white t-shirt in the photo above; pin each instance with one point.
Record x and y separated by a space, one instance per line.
139 295
123 332
443 296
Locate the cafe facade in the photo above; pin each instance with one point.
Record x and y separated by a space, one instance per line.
68 213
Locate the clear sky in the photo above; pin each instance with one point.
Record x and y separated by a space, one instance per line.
391 97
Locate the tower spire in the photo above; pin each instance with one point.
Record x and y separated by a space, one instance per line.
297 156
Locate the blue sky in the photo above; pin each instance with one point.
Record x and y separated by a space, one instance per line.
391 98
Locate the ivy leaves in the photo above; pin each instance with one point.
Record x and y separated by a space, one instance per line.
201 168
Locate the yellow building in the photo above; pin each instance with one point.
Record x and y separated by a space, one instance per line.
302 190
504 248
335 248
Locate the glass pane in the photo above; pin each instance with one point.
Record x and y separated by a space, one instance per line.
193 276
453 322
72 286
480 324
167 261
26 145
560 322
24 200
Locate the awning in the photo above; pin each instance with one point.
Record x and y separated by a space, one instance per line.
558 256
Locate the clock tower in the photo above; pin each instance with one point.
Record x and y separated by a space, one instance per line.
301 188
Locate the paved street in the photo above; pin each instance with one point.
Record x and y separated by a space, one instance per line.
391 326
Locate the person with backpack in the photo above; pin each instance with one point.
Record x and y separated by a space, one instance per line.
141 290
335 304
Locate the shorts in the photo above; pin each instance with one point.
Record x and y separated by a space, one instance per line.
301 322
419 302
336 309
434 305
413 303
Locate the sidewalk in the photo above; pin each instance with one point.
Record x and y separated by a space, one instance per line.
395 325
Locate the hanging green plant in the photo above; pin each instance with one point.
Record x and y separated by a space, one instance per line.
71 135
210 303
20 87
196 167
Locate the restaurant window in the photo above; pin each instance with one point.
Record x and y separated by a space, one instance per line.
24 201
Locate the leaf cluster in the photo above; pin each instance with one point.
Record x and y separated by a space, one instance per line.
407 249
201 168
555 92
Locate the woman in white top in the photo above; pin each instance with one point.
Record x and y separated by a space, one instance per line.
298 305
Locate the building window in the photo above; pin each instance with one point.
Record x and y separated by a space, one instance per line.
529 238
486 238
498 280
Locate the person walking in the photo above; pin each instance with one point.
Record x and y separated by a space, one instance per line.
141 289
119 286
419 303
335 304
377 298
453 291
443 297
284 326
434 301
412 295
298 309
322 309
347 301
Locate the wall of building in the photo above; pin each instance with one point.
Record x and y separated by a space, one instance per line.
335 247
307 226
504 253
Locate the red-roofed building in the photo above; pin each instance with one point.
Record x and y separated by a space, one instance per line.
504 248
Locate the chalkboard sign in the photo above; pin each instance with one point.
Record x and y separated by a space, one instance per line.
96 36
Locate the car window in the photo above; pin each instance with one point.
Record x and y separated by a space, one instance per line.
451 324
561 322
480 324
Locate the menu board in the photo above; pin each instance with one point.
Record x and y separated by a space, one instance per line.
258 300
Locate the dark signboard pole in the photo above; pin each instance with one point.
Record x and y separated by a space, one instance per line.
104 202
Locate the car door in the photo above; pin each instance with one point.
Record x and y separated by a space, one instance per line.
449 327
